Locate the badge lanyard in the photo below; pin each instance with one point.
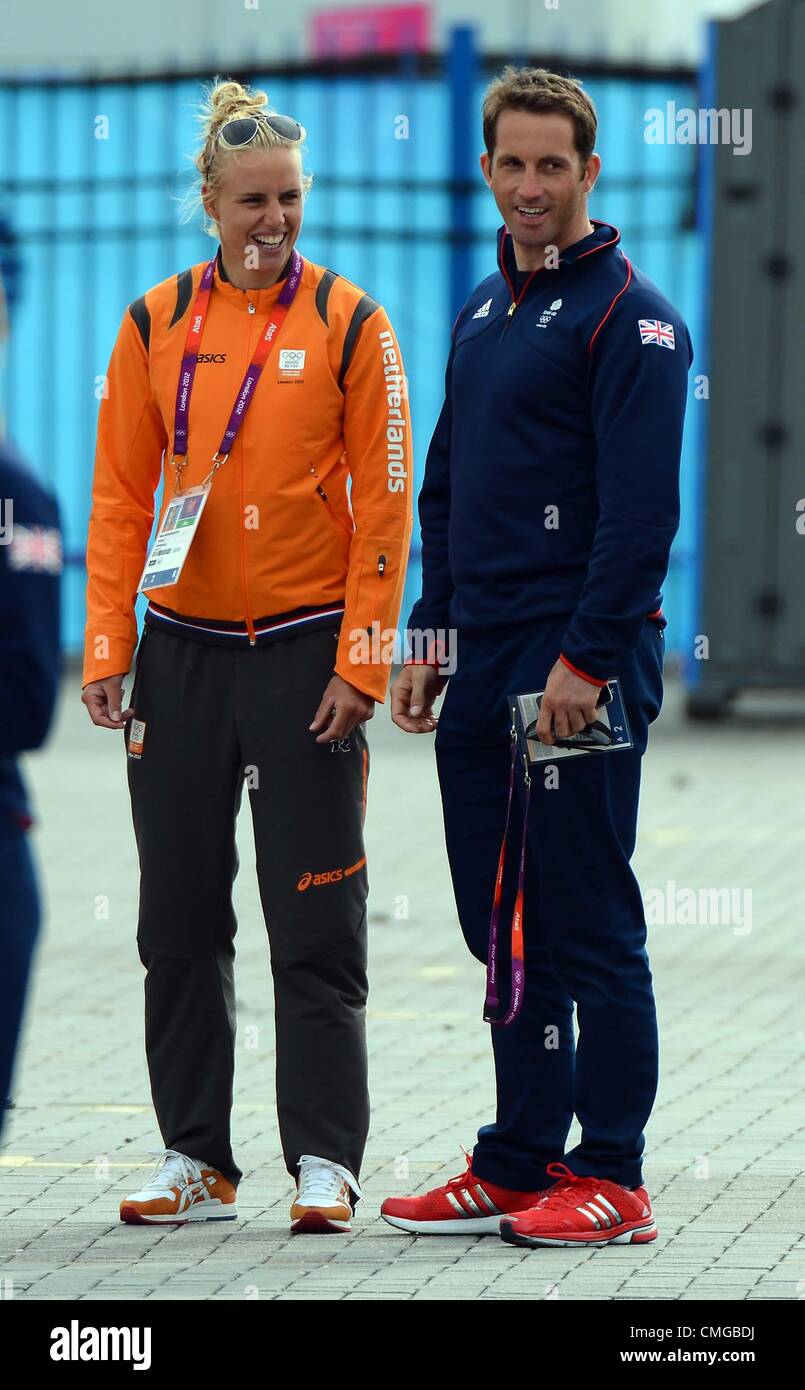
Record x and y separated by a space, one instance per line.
246 393
492 1001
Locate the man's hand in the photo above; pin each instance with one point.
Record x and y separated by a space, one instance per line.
568 702
412 697
342 708
103 699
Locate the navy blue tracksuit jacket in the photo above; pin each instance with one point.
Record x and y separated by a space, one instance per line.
550 501
565 404
30 568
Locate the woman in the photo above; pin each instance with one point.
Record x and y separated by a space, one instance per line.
251 664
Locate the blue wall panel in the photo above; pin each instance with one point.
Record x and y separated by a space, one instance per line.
98 222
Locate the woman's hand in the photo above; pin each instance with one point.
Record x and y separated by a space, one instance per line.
342 708
103 700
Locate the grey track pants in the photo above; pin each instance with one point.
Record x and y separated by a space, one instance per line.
212 717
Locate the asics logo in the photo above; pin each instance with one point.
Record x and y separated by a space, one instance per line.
210 356
305 881
189 1194
311 880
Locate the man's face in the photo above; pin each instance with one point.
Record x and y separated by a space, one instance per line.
258 207
539 181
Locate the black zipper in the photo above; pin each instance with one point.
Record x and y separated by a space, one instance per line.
325 499
381 565
319 488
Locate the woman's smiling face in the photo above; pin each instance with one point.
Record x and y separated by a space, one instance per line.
258 205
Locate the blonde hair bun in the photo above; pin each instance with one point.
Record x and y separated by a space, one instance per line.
227 100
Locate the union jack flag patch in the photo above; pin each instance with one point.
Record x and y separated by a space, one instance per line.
35 548
652 331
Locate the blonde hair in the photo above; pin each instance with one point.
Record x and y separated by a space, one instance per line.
226 100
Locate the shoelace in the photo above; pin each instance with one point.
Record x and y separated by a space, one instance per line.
322 1180
461 1178
570 1189
172 1164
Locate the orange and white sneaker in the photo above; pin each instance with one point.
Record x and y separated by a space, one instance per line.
180 1189
323 1202
463 1206
583 1211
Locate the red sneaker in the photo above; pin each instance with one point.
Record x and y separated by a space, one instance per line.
583 1211
464 1206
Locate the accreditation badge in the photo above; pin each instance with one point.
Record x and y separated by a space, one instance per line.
174 539
609 733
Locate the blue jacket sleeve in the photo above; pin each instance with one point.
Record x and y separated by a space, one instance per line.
30 568
431 610
638 397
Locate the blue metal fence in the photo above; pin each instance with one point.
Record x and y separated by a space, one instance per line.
408 219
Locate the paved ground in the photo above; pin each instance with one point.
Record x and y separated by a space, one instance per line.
722 808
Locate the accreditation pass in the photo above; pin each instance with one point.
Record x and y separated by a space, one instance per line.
173 539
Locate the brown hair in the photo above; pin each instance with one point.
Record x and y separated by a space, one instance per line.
227 101
538 89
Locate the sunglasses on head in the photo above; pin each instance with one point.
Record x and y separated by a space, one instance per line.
234 134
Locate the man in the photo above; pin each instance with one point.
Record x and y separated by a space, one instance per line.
548 509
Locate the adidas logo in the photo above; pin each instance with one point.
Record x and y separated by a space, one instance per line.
483 312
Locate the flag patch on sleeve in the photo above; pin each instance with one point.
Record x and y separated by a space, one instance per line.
652 331
35 548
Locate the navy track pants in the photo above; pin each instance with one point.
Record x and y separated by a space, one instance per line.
19 932
584 927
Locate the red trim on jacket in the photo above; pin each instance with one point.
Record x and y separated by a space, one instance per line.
576 672
604 244
612 305
435 656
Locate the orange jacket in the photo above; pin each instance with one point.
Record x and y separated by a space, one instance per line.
281 546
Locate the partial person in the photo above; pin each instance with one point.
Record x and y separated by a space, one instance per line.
250 668
549 504
31 565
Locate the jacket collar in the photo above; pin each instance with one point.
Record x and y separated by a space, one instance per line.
261 299
603 237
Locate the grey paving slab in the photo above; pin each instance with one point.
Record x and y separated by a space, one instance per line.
723 808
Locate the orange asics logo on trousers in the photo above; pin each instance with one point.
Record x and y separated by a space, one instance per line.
330 876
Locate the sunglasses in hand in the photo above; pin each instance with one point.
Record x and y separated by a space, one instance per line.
594 735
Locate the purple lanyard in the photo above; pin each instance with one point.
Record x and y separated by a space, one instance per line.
190 357
492 1000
